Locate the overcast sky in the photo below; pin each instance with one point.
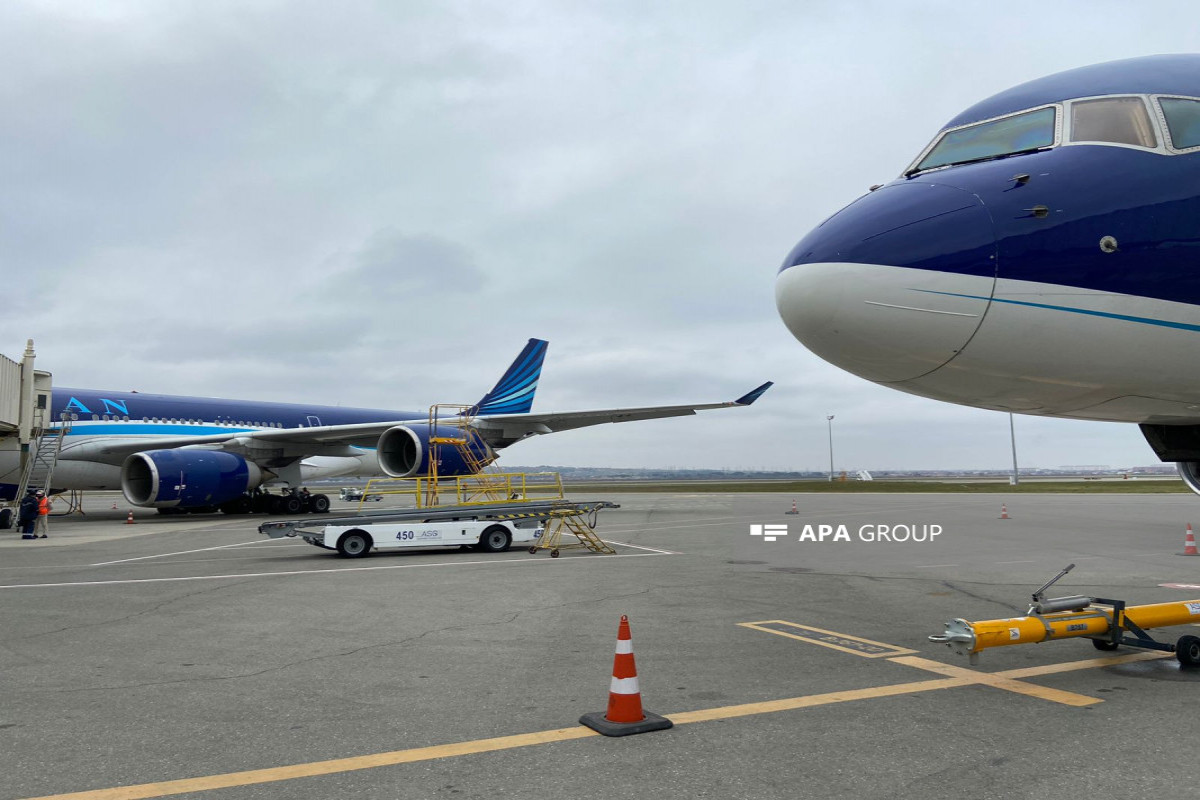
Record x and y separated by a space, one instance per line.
377 204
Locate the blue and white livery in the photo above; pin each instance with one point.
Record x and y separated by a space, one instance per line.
204 453
1041 255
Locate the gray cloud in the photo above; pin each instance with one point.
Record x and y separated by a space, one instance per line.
378 207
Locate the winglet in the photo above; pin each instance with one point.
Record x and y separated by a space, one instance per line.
513 393
753 395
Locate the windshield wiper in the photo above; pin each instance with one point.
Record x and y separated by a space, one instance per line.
978 160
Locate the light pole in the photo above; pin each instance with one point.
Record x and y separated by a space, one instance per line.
829 422
1012 434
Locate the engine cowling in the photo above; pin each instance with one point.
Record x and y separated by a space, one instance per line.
1190 472
403 452
186 478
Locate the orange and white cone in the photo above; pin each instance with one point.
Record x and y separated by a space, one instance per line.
129 519
625 714
794 510
1189 542
1004 512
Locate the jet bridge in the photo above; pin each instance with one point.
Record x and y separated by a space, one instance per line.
26 426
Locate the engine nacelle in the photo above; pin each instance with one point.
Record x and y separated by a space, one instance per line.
1190 472
403 452
186 478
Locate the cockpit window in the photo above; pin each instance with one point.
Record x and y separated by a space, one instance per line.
1120 120
1020 133
1183 121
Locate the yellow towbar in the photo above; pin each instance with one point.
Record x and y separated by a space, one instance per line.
1108 623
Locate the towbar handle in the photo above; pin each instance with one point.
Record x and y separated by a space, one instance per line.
1037 596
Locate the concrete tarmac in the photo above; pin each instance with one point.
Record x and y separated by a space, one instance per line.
193 657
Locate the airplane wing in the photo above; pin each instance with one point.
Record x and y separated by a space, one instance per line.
273 444
500 430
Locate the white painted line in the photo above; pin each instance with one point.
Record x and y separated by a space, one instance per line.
1016 562
640 547
932 566
180 553
556 561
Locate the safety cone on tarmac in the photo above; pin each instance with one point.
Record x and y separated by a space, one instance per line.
625 714
114 505
1004 512
793 511
1189 542
129 519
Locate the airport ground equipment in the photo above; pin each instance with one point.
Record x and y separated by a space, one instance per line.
358 540
520 520
1107 623
581 523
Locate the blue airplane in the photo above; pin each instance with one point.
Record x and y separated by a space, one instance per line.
204 454
1041 256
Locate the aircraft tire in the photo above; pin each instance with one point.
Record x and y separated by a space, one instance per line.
1187 650
495 539
290 505
354 544
318 504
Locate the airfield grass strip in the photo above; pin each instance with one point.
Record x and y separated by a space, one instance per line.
1165 486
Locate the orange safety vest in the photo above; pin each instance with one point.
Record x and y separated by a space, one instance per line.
43 506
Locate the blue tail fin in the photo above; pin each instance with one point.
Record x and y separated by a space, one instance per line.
513 393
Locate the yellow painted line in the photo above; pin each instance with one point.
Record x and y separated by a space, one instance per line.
273 774
961 677
787 704
999 681
1090 663
829 639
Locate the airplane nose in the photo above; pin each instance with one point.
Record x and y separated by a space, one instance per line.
894 285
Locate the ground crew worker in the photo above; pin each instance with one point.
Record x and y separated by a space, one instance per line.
43 519
27 514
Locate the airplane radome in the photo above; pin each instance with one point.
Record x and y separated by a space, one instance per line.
1041 255
205 454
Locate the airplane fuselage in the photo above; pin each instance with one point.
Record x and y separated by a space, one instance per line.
93 417
1041 256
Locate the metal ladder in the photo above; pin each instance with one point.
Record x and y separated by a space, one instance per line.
42 457
465 442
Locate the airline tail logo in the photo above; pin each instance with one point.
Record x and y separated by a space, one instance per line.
513 393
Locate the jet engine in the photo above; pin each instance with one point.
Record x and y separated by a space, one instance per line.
186 478
1190 472
403 451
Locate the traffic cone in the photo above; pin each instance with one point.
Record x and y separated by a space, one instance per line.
625 714
1004 512
129 519
1189 543
793 511
114 505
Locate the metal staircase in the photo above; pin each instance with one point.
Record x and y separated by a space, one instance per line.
42 456
468 444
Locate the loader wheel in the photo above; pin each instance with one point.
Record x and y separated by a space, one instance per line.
495 539
354 544
1100 644
1187 650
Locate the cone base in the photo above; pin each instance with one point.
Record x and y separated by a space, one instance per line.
600 724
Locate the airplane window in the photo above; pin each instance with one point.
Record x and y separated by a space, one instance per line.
95 416
1020 133
1183 121
1121 120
